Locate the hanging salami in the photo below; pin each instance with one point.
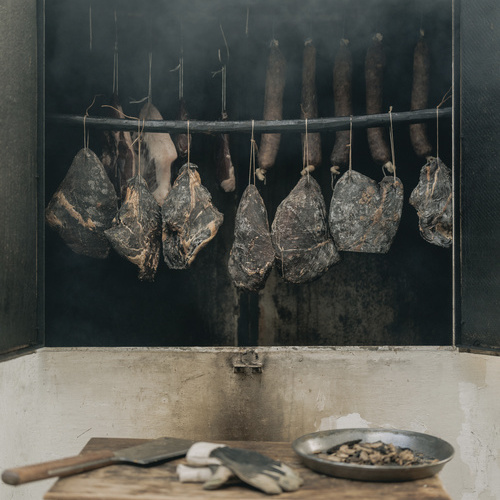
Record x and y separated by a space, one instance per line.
342 94
374 76
311 142
224 167
182 141
420 97
273 107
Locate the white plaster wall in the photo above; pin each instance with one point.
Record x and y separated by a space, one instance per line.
53 401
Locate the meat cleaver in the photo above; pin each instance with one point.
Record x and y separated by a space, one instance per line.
148 453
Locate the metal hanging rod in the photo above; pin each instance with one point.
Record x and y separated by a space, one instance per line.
313 125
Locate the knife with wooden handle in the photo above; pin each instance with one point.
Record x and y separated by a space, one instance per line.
157 450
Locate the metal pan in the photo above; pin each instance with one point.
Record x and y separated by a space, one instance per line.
309 445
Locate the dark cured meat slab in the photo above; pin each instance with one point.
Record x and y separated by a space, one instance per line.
136 230
157 155
432 198
118 157
252 254
83 206
182 141
364 216
300 236
190 220
224 169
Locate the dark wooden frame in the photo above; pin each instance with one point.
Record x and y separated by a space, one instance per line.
477 229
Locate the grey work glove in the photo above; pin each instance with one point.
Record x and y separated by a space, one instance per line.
202 468
213 476
268 475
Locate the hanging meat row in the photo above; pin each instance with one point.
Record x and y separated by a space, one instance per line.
126 199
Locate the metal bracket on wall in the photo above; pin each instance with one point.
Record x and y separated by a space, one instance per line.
247 361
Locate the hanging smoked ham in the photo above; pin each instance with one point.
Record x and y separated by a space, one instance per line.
189 219
136 229
302 243
252 254
83 206
364 215
432 198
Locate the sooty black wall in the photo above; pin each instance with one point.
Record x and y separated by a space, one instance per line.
403 297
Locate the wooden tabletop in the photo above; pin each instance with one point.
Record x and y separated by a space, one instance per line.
127 482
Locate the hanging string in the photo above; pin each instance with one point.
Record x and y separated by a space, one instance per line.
181 63
223 78
141 130
115 59
350 146
437 131
224 71
137 177
254 157
443 100
122 113
137 174
85 135
90 26
180 69
189 145
253 154
181 75
225 42
307 147
139 141
307 151
85 140
307 168
246 24
149 81
391 137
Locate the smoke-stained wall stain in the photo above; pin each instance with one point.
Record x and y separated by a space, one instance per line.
400 298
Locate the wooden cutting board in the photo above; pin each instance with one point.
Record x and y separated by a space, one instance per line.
126 482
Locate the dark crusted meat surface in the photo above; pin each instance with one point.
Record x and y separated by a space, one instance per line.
432 198
83 206
136 230
189 218
300 235
252 254
365 215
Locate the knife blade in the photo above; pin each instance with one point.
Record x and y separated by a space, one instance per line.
156 450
